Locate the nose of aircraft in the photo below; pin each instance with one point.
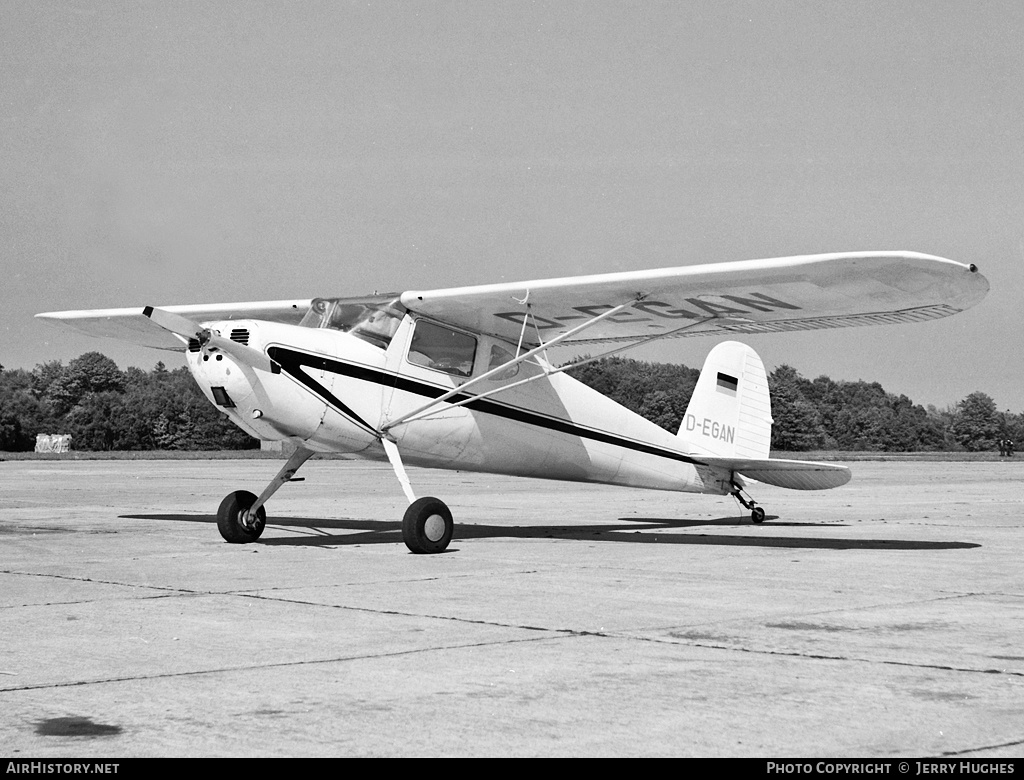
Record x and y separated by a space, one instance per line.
224 381
267 405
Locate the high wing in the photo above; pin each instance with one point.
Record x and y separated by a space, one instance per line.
749 297
132 324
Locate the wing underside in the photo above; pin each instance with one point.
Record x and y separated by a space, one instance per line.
751 297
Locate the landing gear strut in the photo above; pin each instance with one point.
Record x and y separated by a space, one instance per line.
756 512
241 517
427 525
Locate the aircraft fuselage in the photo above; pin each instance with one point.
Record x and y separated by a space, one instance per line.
331 391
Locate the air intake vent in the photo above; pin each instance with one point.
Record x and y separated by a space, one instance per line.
220 395
241 335
193 345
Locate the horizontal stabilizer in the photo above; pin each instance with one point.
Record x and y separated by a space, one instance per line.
791 474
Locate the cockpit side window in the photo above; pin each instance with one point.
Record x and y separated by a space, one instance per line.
372 321
443 349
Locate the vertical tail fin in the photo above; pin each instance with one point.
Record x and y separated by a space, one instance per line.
730 412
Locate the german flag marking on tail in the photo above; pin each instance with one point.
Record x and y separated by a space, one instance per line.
727 384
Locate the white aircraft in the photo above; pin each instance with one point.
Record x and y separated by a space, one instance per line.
460 378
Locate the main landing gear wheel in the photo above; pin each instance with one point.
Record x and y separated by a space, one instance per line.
427 526
234 521
757 515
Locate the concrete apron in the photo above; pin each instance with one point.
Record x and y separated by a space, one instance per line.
884 618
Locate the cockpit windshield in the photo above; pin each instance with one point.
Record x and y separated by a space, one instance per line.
373 320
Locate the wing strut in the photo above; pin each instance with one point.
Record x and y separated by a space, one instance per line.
505 366
522 331
547 370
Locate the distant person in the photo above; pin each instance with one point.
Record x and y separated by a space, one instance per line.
1002 448
1009 448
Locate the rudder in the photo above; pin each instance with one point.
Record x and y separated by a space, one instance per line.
730 413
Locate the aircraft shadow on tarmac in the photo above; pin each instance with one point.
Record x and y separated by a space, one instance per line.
316 532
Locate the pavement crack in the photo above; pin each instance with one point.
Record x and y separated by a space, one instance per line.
167 592
968 751
822 656
453 618
264 666
163 589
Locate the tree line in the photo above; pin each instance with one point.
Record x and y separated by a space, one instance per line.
104 408
819 414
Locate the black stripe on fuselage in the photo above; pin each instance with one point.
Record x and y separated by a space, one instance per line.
293 361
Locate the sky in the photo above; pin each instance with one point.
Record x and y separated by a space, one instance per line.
156 153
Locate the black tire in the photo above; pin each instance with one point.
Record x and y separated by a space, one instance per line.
427 526
757 515
229 518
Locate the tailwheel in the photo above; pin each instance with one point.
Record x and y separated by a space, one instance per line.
756 512
234 521
427 526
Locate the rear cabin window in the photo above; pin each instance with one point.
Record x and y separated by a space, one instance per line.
443 349
499 357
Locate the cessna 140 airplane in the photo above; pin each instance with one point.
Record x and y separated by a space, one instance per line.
460 378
